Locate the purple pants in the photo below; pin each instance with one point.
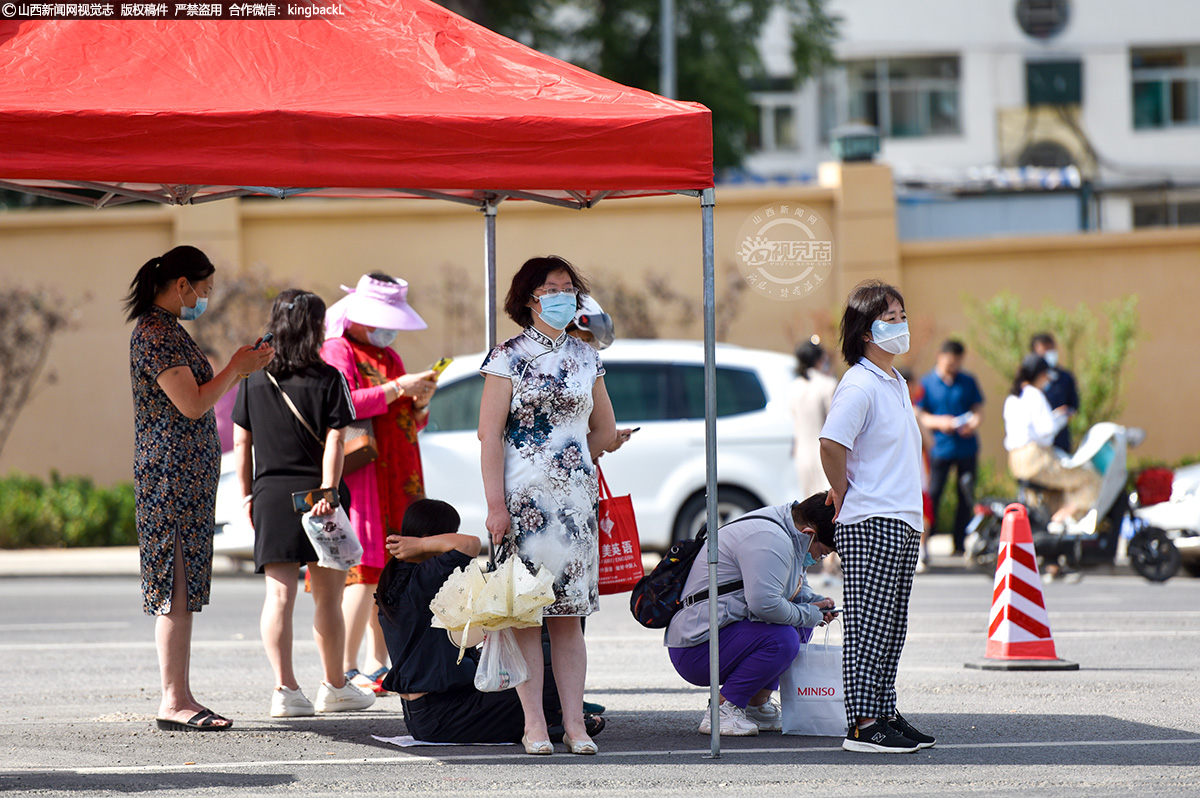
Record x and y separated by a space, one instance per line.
752 657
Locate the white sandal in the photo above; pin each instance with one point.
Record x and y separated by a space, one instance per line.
538 747
586 746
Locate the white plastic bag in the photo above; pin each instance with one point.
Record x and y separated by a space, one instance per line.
810 692
333 538
501 665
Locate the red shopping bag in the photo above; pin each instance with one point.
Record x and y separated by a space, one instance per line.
620 549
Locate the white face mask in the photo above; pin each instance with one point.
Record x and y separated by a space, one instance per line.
1051 358
891 338
381 337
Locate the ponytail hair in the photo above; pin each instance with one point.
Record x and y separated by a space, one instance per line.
158 273
1032 366
808 355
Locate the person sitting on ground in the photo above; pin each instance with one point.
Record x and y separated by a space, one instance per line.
438 695
763 622
1029 429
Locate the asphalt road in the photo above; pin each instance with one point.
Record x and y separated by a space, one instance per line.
79 687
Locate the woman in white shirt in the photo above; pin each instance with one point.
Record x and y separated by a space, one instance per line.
1029 429
871 453
809 397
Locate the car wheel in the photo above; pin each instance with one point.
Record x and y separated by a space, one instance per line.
731 502
1153 555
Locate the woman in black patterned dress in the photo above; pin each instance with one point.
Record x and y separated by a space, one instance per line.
177 461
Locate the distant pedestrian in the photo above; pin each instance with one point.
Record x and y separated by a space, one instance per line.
176 463
952 407
1061 390
871 451
809 397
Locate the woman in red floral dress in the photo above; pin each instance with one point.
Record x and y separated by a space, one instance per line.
359 330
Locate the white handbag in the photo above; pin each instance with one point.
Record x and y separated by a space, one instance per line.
810 691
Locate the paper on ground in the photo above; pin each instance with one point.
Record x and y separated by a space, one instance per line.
408 741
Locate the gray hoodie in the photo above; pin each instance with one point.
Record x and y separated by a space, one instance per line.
771 563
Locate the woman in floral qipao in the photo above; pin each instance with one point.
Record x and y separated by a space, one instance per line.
545 416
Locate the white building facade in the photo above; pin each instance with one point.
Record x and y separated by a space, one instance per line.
964 92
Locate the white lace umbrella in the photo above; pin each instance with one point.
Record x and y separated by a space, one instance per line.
474 600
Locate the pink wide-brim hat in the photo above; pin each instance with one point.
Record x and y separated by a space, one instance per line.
373 303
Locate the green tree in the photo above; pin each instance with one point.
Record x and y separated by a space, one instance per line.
1000 330
716 51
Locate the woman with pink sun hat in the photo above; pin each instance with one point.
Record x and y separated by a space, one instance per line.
359 330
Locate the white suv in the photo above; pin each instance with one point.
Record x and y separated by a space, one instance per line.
658 386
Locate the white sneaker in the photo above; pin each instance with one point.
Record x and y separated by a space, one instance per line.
768 717
287 703
733 722
342 699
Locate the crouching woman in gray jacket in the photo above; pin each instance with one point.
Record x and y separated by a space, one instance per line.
762 623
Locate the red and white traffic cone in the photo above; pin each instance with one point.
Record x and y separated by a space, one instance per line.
1019 636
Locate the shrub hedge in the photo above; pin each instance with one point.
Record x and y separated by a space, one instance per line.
66 511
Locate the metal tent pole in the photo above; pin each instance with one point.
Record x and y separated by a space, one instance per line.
666 67
707 201
489 265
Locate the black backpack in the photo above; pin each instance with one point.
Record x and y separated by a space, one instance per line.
659 595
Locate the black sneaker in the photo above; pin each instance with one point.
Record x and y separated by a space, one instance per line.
904 727
878 738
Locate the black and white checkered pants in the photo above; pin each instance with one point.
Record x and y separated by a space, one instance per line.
879 558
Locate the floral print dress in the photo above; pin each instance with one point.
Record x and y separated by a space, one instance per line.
549 480
176 464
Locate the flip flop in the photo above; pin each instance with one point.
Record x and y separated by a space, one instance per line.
205 720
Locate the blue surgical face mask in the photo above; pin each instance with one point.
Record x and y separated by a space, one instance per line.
809 560
191 314
557 309
891 338
381 337
1051 358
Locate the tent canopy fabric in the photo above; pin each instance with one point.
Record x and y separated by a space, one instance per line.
396 98
395 95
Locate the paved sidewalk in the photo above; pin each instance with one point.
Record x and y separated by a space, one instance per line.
100 561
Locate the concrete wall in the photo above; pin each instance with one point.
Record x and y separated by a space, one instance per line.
82 422
1162 267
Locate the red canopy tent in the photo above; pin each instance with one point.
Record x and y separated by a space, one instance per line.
394 95
395 98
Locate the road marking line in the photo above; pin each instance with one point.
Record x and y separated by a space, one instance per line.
492 755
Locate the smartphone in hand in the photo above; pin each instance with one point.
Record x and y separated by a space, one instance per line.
440 366
304 500
266 339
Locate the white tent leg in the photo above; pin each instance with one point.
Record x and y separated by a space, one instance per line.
489 265
707 201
